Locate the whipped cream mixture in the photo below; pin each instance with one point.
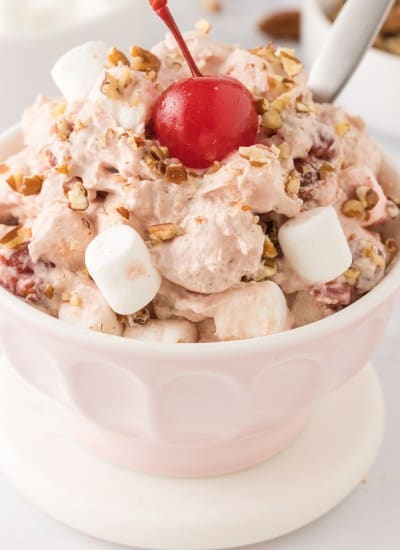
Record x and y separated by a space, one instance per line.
213 234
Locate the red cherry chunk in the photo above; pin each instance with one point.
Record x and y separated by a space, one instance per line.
204 119
17 275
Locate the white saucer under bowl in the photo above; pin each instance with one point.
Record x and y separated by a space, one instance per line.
289 491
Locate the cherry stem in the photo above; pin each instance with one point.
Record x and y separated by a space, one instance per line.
162 10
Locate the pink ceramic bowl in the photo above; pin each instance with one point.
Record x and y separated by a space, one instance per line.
190 409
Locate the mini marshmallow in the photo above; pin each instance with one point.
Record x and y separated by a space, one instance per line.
315 245
120 264
77 71
171 331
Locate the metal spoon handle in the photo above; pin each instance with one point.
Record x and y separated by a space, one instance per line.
352 34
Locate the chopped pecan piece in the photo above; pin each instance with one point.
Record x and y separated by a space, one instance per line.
176 173
270 251
293 182
143 60
272 120
49 292
268 270
17 236
76 194
342 128
291 65
116 57
352 208
113 87
124 212
26 185
164 232
367 196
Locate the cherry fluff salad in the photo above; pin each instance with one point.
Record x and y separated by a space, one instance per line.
192 193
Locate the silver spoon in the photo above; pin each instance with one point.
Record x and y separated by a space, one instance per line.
352 34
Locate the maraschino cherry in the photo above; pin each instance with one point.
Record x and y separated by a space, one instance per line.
202 119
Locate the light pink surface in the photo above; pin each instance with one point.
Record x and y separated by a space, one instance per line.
188 409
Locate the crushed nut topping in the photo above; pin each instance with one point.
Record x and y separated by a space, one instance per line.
4 168
285 150
213 169
203 26
79 125
262 105
124 212
143 60
324 170
155 157
65 169
272 120
291 65
65 297
64 129
26 185
58 109
176 173
367 196
282 102
76 194
164 232
49 292
113 87
391 246
256 156
378 260
75 301
293 183
116 57
268 270
270 251
302 108
352 208
342 128
352 275
141 317
17 236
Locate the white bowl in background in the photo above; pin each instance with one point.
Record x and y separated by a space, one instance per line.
26 58
374 89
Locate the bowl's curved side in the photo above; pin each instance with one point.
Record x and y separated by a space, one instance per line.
190 409
188 415
372 92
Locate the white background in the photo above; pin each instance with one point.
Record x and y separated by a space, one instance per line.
370 519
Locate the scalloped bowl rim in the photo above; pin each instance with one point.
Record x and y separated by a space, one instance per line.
301 335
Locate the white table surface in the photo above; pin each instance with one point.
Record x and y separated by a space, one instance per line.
370 519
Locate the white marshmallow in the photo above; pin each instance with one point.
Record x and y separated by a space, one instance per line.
76 72
121 266
172 331
315 245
